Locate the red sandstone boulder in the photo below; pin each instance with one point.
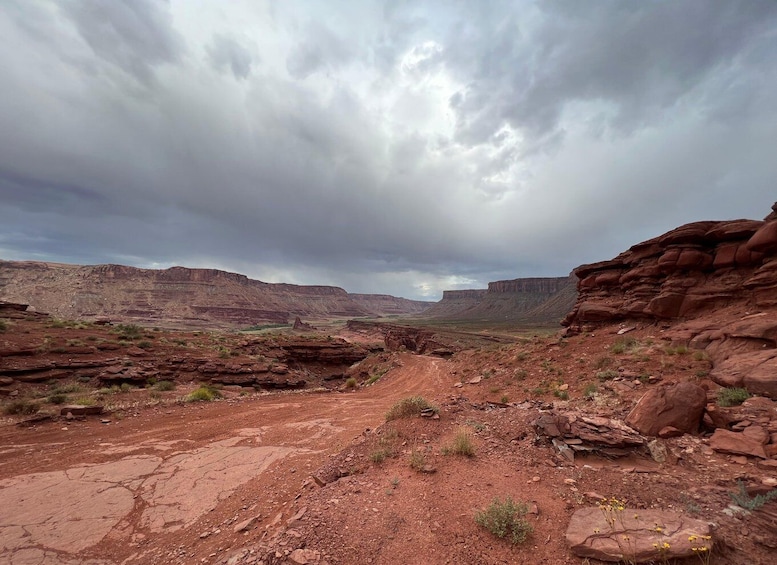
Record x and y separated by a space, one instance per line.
679 405
734 230
636 535
755 371
765 239
736 443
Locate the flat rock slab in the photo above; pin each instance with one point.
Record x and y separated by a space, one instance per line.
81 410
636 535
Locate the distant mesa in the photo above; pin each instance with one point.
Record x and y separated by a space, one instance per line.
524 301
685 273
182 296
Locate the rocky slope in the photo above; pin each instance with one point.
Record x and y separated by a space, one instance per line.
190 297
712 284
527 300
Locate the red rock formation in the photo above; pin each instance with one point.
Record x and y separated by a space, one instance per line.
179 295
685 273
539 300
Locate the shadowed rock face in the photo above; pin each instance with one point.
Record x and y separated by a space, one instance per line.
683 274
206 297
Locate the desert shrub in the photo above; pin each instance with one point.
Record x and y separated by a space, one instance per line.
409 407
561 394
505 519
129 331
165 386
351 382
57 398
374 377
520 374
418 459
462 444
145 344
623 344
381 454
3 326
743 499
603 363
125 387
677 350
21 408
589 391
64 388
606 375
732 396
203 394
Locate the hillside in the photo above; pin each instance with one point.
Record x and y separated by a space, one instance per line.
542 301
178 295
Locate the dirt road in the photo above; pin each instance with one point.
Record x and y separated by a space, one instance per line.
149 487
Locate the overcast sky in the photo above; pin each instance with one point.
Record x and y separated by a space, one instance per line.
400 147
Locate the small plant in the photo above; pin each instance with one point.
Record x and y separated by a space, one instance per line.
21 408
606 375
57 398
603 363
477 426
351 383
462 444
504 399
505 519
85 401
623 344
74 343
589 391
380 455
164 386
145 344
676 350
520 374
732 396
203 394
743 499
129 331
418 459
409 407
125 387
3 326
561 394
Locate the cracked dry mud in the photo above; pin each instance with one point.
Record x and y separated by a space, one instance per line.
127 491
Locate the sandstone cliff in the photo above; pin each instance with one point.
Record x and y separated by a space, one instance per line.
179 295
539 300
687 272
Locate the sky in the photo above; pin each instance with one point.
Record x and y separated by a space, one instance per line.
400 147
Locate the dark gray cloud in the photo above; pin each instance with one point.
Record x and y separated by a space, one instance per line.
401 147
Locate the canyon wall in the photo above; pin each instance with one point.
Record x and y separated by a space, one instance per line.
538 300
179 295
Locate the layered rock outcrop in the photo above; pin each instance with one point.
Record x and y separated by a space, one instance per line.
689 271
539 300
189 297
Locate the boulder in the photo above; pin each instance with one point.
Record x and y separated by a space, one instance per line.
636 535
755 371
737 443
677 405
765 239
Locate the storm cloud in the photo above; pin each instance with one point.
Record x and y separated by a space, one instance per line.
399 147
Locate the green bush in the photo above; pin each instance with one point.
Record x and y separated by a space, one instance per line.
409 407
203 394
351 383
165 386
57 398
732 396
3 326
505 520
744 500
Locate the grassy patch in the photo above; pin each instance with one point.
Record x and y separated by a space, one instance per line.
409 407
418 459
164 386
57 398
203 394
21 408
3 326
589 391
462 444
732 396
351 383
606 375
129 332
623 344
506 520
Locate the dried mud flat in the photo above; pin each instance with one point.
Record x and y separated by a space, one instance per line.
239 480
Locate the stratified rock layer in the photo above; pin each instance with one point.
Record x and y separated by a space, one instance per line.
685 273
186 297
